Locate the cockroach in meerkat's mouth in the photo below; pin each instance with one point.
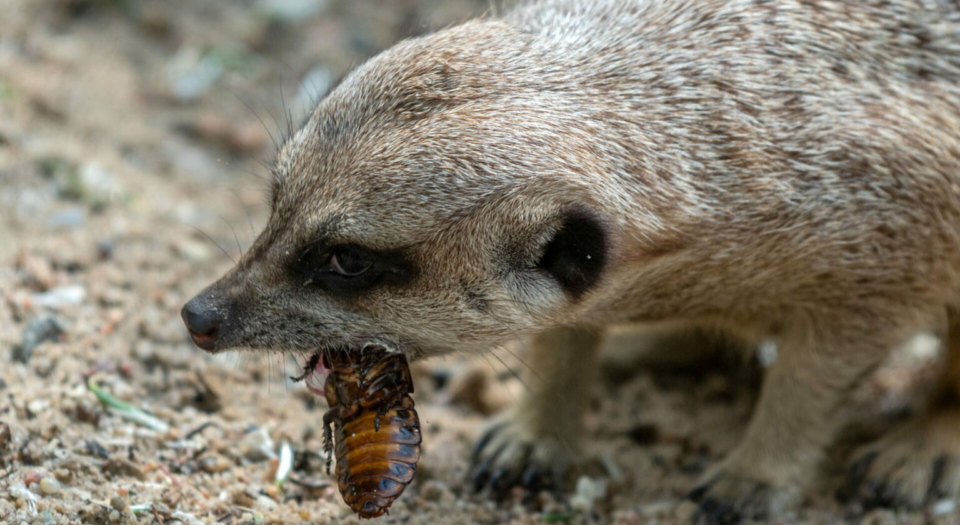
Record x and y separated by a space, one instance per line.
375 428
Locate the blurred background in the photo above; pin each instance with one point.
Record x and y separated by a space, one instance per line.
135 143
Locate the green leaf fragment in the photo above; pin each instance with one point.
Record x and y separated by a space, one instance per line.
126 410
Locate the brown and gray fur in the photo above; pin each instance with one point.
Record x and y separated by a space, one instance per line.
785 169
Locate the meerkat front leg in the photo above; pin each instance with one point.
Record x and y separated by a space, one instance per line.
797 417
534 443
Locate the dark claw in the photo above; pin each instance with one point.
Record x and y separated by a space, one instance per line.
712 512
503 481
524 473
856 476
532 479
483 442
511 477
497 482
532 482
481 476
885 490
879 494
697 493
934 492
507 478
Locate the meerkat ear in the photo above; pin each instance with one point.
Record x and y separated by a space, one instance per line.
577 253
434 83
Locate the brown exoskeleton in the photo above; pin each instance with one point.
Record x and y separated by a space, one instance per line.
367 391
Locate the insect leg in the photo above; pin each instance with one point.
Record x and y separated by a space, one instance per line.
328 421
381 411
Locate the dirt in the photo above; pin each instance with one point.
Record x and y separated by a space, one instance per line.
135 142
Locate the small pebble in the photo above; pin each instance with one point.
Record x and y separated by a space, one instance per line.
50 486
265 503
194 251
256 445
98 185
243 498
879 517
73 217
433 490
38 269
214 464
32 477
105 248
123 467
468 387
63 475
588 491
68 294
944 506
644 434
114 515
628 518
273 491
118 504
37 331
37 406
292 10
191 74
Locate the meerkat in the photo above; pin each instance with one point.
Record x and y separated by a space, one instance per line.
770 169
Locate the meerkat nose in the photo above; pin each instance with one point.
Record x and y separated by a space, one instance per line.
202 322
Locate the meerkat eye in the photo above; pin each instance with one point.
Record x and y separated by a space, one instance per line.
349 269
349 261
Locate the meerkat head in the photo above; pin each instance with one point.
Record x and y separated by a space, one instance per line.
435 200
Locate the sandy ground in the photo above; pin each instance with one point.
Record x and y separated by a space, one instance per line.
134 143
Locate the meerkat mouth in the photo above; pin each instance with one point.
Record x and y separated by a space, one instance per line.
317 368
315 373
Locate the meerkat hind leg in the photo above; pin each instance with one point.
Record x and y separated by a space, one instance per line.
533 444
917 463
796 418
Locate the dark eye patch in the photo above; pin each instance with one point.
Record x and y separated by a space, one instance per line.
313 268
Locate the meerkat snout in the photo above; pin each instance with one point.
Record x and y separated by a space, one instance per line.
202 321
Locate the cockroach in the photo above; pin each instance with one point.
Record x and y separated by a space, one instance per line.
371 424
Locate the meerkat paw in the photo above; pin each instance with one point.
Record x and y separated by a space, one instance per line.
509 455
915 465
725 498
